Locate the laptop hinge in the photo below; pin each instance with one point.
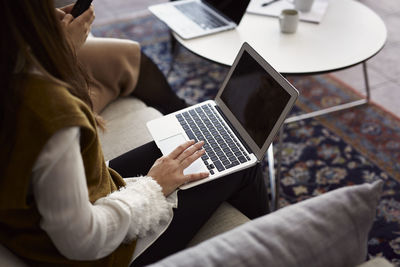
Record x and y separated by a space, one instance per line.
233 129
220 13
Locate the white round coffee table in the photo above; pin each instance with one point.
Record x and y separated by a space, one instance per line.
349 33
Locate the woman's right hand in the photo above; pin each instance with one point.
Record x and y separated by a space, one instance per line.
168 170
76 29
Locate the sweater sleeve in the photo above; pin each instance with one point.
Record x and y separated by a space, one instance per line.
79 229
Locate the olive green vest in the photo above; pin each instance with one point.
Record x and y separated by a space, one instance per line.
44 109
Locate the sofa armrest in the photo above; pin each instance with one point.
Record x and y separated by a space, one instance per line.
223 219
376 262
126 128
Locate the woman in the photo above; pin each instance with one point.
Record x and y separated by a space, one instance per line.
59 202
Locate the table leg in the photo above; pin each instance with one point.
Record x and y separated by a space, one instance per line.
336 108
272 177
275 178
366 80
173 50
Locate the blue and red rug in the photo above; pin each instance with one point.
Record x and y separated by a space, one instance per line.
350 147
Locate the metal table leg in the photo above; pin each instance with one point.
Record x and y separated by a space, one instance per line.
275 179
272 177
337 107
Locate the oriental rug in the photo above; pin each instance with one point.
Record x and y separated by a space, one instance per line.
349 147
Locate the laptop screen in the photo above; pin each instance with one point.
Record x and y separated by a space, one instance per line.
232 9
255 98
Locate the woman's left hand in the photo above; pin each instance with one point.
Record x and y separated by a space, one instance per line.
76 29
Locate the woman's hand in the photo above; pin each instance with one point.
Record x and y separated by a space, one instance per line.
168 170
76 29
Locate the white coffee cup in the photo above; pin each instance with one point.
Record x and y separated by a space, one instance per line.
303 5
288 20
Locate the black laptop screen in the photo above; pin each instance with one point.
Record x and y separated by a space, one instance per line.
233 9
254 98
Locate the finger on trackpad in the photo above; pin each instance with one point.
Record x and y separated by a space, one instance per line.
167 145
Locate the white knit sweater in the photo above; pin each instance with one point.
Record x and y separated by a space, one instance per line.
84 231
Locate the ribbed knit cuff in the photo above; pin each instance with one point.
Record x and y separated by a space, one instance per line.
147 205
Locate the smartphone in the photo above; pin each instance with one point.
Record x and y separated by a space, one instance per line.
80 7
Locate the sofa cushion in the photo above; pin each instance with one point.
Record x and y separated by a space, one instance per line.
126 126
328 230
223 219
376 262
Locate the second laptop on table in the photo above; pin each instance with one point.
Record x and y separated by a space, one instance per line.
195 18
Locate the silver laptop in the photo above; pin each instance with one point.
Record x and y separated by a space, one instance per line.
195 18
238 126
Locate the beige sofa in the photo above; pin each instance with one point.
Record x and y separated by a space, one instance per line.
126 129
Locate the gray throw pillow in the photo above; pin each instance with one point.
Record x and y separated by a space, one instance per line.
328 230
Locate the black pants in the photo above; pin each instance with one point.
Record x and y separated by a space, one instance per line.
245 190
153 88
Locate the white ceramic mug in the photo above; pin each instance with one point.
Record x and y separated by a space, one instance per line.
289 20
303 5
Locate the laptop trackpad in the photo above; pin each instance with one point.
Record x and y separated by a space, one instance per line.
167 145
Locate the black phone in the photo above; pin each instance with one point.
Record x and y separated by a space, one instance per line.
80 7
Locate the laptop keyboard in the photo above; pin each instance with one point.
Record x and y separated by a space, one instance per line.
200 15
223 150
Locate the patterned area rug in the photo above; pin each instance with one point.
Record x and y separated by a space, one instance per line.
350 147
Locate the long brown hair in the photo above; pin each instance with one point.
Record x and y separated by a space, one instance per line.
32 34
